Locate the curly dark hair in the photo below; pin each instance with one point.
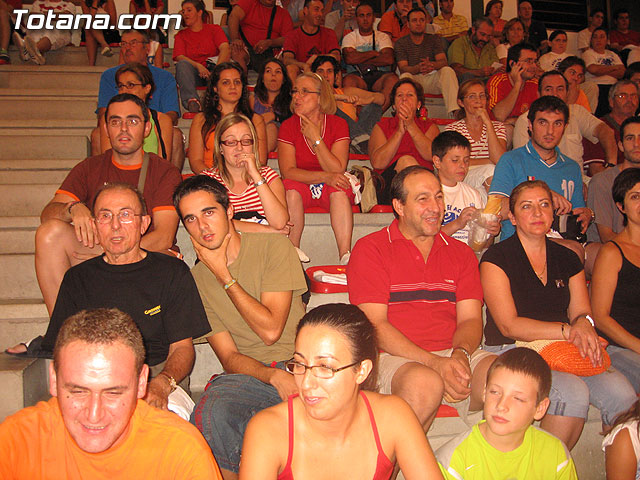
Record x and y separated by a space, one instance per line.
211 104
283 99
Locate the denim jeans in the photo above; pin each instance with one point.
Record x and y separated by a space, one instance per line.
570 395
369 116
224 410
626 362
188 79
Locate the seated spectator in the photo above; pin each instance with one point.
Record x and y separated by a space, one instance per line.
256 192
403 140
394 22
604 67
271 98
96 424
226 93
596 19
511 93
541 159
535 32
150 7
622 36
305 43
420 56
506 443
294 7
473 55
224 20
136 79
449 25
313 150
38 42
194 51
581 124
633 73
493 11
155 57
93 36
338 342
361 109
430 337
256 31
512 34
253 301
369 57
488 138
558 42
6 9
580 92
451 154
343 21
623 102
613 296
535 289
621 452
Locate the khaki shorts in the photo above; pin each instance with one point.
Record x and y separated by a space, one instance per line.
388 365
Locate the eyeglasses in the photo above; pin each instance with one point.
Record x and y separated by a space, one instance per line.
473 96
623 96
132 43
303 92
318 371
124 216
130 122
245 142
129 85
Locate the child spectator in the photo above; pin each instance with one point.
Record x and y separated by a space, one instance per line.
505 444
551 60
38 42
451 154
622 446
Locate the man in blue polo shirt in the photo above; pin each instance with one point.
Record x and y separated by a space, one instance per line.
135 48
540 159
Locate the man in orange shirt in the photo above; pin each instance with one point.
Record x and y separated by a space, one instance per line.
97 425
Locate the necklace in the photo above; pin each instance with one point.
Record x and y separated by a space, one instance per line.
541 274
550 157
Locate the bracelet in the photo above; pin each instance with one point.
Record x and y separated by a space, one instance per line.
71 205
562 325
262 181
231 283
588 317
464 350
172 381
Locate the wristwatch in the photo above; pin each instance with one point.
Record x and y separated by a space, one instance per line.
316 143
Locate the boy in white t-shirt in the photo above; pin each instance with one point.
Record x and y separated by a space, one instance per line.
451 153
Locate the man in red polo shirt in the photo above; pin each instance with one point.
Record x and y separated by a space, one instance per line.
421 290
511 93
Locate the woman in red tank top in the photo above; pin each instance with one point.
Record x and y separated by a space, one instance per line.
337 426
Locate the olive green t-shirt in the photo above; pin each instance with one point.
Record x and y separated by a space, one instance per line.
267 262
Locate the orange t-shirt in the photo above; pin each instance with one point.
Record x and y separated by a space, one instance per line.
35 444
583 100
390 24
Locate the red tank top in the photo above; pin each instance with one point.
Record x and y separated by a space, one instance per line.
384 467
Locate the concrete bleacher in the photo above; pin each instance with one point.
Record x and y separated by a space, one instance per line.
46 115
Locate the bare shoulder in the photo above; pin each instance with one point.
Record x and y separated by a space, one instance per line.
272 420
389 409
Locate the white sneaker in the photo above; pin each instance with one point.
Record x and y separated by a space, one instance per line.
302 256
18 41
106 51
34 53
344 259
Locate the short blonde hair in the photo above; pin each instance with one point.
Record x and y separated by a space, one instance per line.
229 120
327 100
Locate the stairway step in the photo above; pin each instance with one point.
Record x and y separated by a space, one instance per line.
24 383
48 107
25 200
51 164
27 221
52 77
23 311
38 145
18 277
31 176
69 55
17 330
17 240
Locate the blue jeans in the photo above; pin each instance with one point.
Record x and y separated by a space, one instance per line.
628 363
188 79
570 395
369 116
224 410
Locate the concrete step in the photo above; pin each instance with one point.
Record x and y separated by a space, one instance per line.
33 144
69 55
39 164
18 278
40 126
81 77
17 330
25 200
33 176
48 107
24 383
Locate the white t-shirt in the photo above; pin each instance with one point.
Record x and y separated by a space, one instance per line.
591 57
502 49
550 61
632 426
581 124
332 19
455 200
365 44
584 39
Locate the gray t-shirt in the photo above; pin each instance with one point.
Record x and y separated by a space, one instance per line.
405 49
599 200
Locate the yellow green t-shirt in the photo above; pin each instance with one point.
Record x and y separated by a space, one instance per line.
540 457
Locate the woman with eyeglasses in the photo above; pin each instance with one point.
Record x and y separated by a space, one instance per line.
226 93
137 80
402 140
488 137
336 426
512 34
256 192
313 150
